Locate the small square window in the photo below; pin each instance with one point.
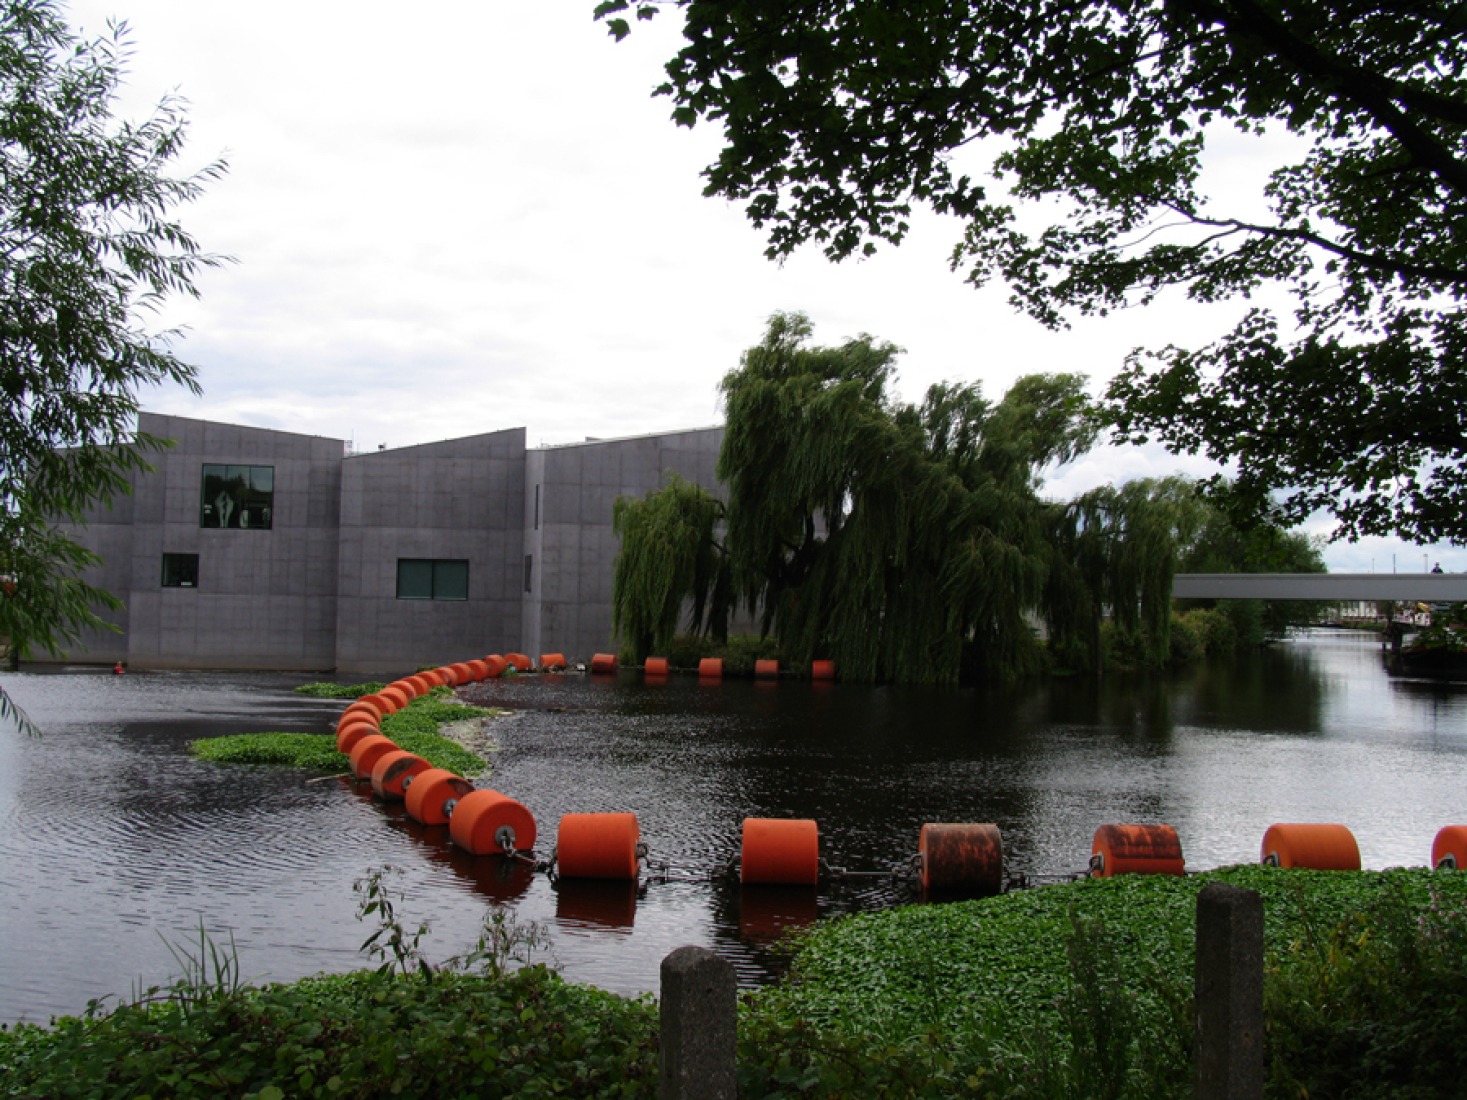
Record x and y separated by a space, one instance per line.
180 570
432 579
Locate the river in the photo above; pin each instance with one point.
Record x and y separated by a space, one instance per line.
116 846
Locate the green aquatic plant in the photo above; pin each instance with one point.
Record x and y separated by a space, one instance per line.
414 729
327 690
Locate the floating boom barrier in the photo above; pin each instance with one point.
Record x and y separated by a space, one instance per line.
953 859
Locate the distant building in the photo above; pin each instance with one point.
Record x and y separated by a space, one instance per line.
252 548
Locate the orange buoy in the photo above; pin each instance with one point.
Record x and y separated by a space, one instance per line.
432 795
394 697
495 664
822 670
348 735
393 771
550 662
117 669
598 846
488 823
1320 847
961 858
367 751
1449 849
603 663
447 677
518 661
430 676
359 709
464 673
353 716
710 668
408 686
655 666
1135 850
780 852
478 669
376 702
766 670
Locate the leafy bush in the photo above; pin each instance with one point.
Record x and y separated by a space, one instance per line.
1375 1005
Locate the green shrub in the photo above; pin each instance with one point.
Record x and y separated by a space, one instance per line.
1186 643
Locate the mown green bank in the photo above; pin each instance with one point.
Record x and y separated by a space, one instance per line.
414 729
1077 990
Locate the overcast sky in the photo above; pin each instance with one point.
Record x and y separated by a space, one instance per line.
464 216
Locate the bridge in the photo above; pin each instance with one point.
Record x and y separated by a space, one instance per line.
1422 587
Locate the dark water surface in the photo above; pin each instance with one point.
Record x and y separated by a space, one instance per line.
114 842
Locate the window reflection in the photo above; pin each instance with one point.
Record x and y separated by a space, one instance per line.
241 497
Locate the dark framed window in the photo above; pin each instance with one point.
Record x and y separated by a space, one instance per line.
529 570
180 570
241 497
537 507
432 579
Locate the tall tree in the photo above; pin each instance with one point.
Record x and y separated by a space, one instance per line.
894 538
1087 125
670 555
88 246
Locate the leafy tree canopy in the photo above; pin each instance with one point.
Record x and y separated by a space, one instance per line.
88 245
1087 124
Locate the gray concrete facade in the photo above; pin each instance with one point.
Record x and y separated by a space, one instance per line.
524 538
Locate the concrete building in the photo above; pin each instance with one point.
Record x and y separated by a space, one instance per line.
251 548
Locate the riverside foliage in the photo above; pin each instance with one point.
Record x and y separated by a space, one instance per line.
906 542
1070 990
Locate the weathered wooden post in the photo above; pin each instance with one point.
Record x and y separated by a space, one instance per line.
699 1017
1227 1057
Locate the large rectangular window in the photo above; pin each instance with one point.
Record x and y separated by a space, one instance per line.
237 496
432 579
180 570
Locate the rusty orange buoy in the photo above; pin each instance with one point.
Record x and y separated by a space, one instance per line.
486 823
348 735
518 661
1135 850
766 669
780 852
598 846
433 794
494 666
1319 847
710 668
552 662
603 663
822 670
655 666
961 858
367 751
392 772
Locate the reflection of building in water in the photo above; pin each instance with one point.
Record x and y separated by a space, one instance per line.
250 548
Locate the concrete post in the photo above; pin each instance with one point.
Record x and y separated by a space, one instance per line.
1227 1057
699 1027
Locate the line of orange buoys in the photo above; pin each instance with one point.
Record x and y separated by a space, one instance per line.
952 859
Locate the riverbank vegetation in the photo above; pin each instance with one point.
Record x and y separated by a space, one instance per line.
1070 990
414 729
910 542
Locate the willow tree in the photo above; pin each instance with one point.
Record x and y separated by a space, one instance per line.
669 556
1115 550
890 537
